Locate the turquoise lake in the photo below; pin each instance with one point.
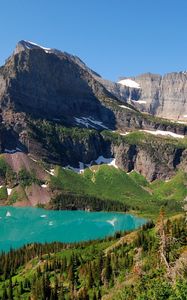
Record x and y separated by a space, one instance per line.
19 226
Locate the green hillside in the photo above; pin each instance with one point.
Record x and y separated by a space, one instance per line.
108 183
173 189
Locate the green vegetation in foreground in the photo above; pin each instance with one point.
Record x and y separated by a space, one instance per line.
125 267
110 184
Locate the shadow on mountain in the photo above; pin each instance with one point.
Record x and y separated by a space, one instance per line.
55 87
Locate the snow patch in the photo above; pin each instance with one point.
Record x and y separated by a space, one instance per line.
9 191
130 83
130 172
100 160
33 159
181 122
165 133
77 170
43 216
124 106
44 186
140 101
12 150
90 122
121 133
51 172
185 116
124 133
108 161
31 45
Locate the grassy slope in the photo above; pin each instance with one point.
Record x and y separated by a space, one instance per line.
141 137
169 194
103 182
174 189
107 182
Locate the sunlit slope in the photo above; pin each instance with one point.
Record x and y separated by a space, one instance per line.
109 183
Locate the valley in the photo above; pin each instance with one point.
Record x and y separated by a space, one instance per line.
73 143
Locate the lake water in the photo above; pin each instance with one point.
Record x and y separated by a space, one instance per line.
19 226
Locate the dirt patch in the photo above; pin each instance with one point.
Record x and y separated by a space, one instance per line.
19 160
37 195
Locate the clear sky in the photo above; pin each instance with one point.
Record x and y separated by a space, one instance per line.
114 37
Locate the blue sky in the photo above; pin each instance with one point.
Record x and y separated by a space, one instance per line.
114 37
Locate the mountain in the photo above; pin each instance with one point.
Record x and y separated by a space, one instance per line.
162 96
50 84
54 110
70 139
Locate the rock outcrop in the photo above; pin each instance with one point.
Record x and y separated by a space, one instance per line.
152 161
163 96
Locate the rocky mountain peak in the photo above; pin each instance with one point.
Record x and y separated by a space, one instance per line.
24 45
49 83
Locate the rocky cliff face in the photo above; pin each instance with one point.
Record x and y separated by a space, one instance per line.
49 84
163 96
49 99
152 161
54 85
153 157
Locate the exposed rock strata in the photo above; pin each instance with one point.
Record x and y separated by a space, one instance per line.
163 96
46 84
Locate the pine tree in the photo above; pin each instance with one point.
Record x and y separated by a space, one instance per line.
10 290
21 290
5 295
163 239
46 287
99 295
107 272
61 293
90 278
55 292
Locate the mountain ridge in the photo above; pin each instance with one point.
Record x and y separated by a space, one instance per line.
56 110
162 96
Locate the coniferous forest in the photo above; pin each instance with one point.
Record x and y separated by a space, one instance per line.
149 263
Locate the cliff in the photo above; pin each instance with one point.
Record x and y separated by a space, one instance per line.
55 108
162 96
